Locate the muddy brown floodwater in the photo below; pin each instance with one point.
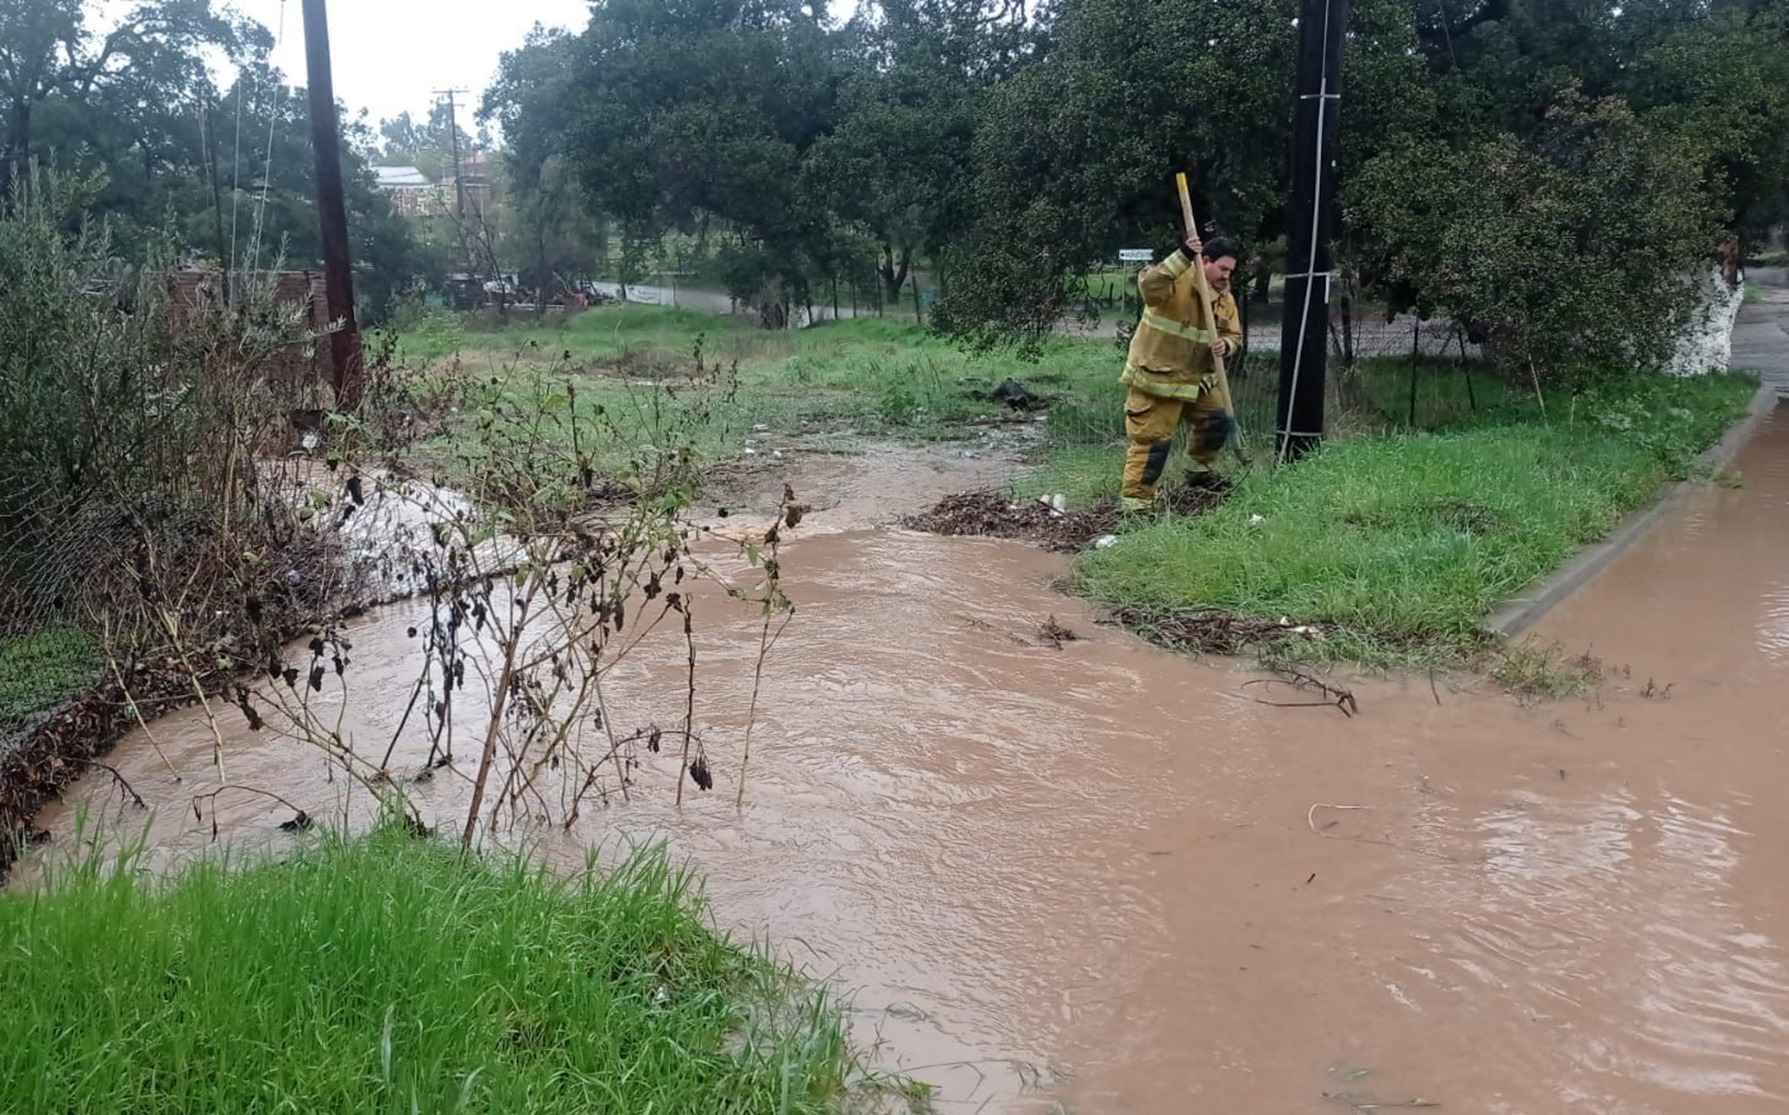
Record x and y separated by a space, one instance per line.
1103 876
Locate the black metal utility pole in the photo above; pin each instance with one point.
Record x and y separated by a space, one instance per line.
332 211
1304 335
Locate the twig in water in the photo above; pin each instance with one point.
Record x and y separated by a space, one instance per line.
689 709
416 692
1310 820
1055 634
124 787
135 710
1360 1104
1310 817
789 514
765 642
302 818
1342 699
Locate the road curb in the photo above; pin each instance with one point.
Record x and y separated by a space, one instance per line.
1520 612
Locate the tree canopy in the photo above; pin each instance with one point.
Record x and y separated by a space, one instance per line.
1501 160
227 172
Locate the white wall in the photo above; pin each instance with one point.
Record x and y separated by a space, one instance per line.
1707 343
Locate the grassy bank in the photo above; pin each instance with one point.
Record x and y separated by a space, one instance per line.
1385 395
386 975
883 372
1442 492
42 669
635 367
1406 541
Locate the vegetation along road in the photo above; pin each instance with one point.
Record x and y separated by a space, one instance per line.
748 695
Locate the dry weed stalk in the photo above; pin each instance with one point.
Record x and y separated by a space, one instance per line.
253 514
560 563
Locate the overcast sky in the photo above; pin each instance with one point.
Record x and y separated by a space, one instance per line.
389 54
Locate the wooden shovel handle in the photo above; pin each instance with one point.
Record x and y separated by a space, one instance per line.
1192 230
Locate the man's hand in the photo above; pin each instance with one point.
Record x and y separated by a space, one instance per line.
1220 348
1194 245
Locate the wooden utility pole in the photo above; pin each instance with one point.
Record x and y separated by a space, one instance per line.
346 373
1304 335
208 132
453 131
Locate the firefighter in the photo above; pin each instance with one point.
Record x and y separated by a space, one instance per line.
1170 374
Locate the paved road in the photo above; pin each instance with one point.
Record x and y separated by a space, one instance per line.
1761 336
708 301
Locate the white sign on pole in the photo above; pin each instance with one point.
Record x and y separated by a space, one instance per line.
1135 255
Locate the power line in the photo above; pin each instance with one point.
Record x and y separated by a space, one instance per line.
273 90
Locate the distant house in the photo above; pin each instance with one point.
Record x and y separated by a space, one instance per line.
475 181
412 193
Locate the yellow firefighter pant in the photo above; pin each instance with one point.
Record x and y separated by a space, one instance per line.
1150 422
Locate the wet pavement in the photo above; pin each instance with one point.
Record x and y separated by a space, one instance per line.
1095 874
1761 335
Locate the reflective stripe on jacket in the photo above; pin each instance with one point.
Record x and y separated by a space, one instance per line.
1170 353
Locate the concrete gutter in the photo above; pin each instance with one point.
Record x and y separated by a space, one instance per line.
1520 612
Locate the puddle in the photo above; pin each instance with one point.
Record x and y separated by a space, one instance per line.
1092 873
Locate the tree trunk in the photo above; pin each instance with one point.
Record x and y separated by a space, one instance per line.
540 273
217 197
893 272
17 150
1413 368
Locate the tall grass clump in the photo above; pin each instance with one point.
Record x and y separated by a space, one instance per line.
391 975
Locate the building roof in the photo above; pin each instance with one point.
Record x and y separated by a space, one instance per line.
396 177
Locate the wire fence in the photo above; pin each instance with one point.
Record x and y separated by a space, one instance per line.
49 546
1382 373
1381 369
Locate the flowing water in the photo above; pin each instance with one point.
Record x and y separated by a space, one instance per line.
1111 878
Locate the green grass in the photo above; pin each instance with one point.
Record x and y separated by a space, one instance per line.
868 377
1406 542
40 670
1442 491
1541 671
603 332
1086 427
386 975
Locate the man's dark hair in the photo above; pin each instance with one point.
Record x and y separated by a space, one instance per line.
1220 246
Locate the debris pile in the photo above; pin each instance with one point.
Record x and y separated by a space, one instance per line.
1047 521
992 514
1211 631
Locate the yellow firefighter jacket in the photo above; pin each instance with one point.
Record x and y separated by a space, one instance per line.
1170 354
